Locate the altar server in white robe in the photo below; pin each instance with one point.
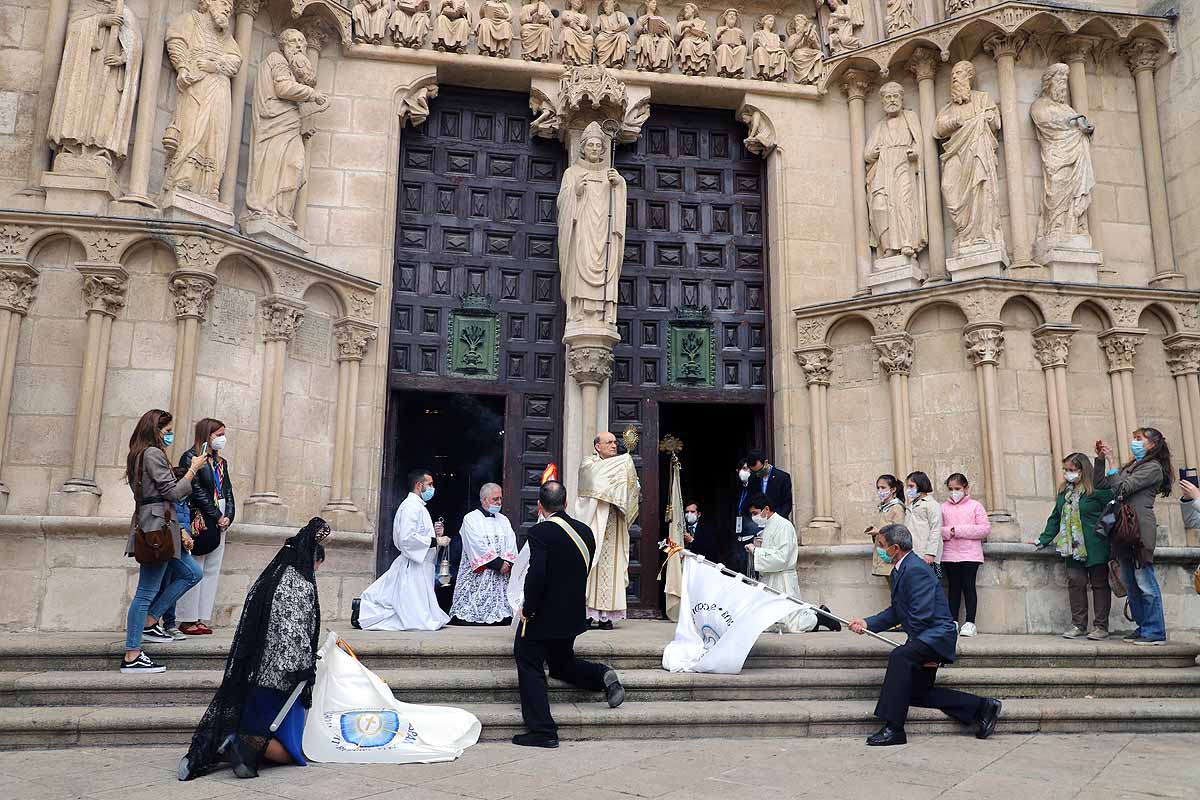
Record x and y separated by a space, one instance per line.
402 599
774 554
489 549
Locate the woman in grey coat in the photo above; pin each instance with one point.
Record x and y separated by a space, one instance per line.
155 492
1139 482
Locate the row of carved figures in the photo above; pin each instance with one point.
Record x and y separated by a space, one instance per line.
656 44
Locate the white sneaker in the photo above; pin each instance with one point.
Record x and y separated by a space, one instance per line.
968 629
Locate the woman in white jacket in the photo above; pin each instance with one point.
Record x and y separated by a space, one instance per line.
923 519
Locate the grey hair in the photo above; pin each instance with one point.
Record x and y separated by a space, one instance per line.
898 535
487 489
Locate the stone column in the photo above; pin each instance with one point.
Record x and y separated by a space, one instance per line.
191 292
1120 347
1005 48
281 318
924 64
855 84
985 343
104 288
896 357
1142 55
1052 346
316 34
1183 360
591 367
243 29
52 53
147 110
1076 52
353 338
18 283
817 366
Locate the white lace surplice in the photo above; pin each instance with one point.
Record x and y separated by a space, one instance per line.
481 594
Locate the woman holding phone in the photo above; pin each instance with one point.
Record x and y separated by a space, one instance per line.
213 509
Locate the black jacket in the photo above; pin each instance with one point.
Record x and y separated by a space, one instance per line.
556 584
201 498
779 491
705 542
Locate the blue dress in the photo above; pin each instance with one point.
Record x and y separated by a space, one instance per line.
262 706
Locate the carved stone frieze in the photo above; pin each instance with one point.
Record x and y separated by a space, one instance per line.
198 252
887 318
811 331
895 353
589 365
191 294
362 306
13 239
1125 314
1120 349
1189 315
984 344
982 305
101 245
1058 308
1052 348
817 365
352 339
18 286
291 282
281 320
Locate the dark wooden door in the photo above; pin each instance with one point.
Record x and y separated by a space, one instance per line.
475 299
692 299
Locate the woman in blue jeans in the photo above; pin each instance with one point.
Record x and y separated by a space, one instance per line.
155 492
1146 476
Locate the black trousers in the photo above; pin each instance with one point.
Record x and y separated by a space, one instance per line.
909 682
961 577
559 654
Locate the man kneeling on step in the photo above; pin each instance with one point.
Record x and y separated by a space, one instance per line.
919 607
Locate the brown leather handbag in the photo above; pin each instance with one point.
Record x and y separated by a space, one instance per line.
150 547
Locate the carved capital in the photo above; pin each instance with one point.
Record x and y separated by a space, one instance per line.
414 101
895 353
817 365
1183 355
1052 348
855 84
1120 347
250 7
104 288
317 32
760 138
984 343
923 63
18 285
1076 49
13 239
198 252
1142 54
281 319
1001 45
352 339
590 364
192 293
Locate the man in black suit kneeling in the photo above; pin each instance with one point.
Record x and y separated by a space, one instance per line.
555 612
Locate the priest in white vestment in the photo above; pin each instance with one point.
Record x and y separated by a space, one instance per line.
402 599
489 549
774 555
609 492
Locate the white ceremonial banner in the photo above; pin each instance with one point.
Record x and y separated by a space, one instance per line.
355 719
720 619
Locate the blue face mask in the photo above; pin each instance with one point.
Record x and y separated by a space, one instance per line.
883 555
493 509
1138 449
169 438
427 494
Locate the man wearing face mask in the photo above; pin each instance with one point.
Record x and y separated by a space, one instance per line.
775 551
744 529
771 481
489 549
403 599
698 535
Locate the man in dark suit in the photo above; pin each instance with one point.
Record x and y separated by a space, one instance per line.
555 612
698 535
919 607
771 481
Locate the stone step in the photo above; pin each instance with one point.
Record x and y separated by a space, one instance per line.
85 725
196 687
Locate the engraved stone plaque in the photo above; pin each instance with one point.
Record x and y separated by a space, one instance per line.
313 340
233 316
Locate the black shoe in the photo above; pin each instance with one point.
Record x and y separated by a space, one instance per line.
614 689
142 664
887 736
231 748
987 717
535 740
827 621
606 625
156 633
354 607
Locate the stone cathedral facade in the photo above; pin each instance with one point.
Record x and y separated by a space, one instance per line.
877 236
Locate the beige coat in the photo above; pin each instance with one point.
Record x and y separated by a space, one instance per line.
158 480
924 522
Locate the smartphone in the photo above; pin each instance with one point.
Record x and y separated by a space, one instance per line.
204 449
1189 474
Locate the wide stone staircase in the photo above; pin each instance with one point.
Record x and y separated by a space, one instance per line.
65 689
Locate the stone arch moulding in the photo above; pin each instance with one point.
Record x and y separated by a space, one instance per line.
412 101
1166 313
332 12
339 295
21 242
265 274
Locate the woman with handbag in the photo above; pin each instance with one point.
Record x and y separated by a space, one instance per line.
1135 529
1071 528
155 539
213 510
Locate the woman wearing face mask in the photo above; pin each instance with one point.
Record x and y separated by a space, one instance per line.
1147 475
924 520
964 527
1071 528
890 491
213 511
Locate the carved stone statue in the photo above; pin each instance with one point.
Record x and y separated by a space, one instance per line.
1065 137
201 47
589 190
900 16
846 19
493 32
285 80
804 50
452 29
575 35
731 46
612 35
768 59
895 192
92 113
970 172
655 48
370 18
409 24
695 45
537 39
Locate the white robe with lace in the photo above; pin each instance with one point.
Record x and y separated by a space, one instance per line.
481 593
402 599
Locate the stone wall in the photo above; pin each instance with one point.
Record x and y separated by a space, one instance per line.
1178 85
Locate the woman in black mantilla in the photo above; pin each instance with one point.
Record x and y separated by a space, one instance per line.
273 651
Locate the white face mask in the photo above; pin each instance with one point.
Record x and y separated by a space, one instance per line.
911 492
759 520
218 443
884 495
1072 477
744 475
956 496
691 517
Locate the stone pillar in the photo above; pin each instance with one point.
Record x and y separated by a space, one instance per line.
104 288
18 283
1120 347
316 34
1005 48
817 366
985 343
147 110
243 29
591 367
896 357
52 53
924 64
353 338
281 318
1142 55
1076 52
1052 346
1183 360
191 292
855 84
